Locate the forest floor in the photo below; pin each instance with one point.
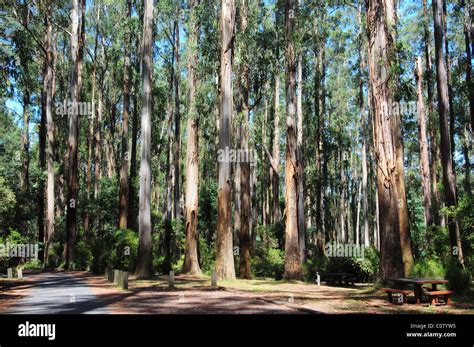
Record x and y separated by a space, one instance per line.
81 292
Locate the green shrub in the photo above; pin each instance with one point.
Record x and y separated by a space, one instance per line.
82 256
12 237
125 250
269 263
34 264
365 269
431 267
459 278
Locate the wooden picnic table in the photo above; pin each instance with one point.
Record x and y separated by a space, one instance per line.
417 284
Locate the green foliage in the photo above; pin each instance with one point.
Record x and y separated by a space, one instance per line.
124 250
429 267
12 237
459 278
269 260
34 264
365 268
7 202
269 263
82 256
206 255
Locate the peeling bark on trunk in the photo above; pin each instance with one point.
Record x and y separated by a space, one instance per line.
77 42
50 137
191 254
292 253
225 257
396 256
423 140
299 153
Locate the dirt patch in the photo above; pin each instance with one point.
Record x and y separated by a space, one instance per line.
12 290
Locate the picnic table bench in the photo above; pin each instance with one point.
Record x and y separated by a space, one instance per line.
434 295
418 283
340 278
403 292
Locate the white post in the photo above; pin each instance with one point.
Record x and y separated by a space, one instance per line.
19 272
116 276
318 279
125 280
10 272
213 279
171 279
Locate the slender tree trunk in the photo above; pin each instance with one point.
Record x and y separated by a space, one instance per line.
23 198
467 38
144 264
25 142
131 222
42 142
50 137
319 133
177 121
73 141
434 148
123 190
292 253
243 109
300 159
396 256
449 175
224 257
423 139
170 178
191 254
274 175
467 163
448 80
364 190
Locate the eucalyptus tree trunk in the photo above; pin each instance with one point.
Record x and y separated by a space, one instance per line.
433 127
467 39
73 141
131 222
423 140
25 138
275 175
90 142
299 153
448 80
449 174
292 252
245 207
224 257
50 135
396 256
123 190
319 114
144 264
177 120
364 188
191 254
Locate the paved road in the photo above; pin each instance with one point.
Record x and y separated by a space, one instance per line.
58 293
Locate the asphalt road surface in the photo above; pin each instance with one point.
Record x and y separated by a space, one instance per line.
58 293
